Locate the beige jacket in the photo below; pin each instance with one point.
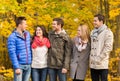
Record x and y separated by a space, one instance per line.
100 49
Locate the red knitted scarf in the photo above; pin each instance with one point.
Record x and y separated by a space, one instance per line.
38 42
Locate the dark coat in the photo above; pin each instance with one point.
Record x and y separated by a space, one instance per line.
60 51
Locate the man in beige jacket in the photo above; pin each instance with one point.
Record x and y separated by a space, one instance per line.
101 46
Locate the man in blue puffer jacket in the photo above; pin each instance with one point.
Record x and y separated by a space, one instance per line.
20 50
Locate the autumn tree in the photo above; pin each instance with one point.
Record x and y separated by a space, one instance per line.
73 12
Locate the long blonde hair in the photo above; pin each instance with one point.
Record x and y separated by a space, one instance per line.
85 32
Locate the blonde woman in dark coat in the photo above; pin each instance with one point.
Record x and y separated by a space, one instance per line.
80 55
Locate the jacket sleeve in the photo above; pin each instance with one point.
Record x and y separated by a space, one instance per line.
67 54
12 51
108 46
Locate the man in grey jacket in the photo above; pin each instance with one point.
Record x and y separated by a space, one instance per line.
101 46
60 51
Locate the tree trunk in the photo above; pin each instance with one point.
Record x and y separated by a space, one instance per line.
101 6
106 5
117 38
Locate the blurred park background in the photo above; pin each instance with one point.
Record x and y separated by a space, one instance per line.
74 12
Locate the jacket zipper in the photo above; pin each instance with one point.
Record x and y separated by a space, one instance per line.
26 49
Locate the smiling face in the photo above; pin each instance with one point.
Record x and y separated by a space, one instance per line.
83 32
55 26
39 32
97 23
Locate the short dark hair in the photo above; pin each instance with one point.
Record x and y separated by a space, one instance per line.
19 20
59 21
100 17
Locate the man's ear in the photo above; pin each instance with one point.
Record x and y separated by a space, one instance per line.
59 25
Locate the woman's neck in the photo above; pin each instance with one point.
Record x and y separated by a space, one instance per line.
84 41
41 37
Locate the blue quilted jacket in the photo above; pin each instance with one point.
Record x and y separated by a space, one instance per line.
19 49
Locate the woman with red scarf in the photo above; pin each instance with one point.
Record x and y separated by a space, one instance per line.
40 45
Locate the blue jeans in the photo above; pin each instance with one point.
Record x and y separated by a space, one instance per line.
39 74
25 73
99 74
53 74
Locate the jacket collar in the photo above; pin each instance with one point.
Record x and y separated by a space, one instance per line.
18 35
62 34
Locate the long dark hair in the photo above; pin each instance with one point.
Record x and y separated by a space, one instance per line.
45 34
